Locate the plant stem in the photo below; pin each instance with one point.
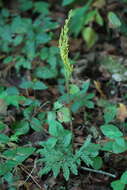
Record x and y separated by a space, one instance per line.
68 93
99 171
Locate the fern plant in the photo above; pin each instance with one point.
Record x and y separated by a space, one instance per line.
58 154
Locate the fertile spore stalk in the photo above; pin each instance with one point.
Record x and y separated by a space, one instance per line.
64 51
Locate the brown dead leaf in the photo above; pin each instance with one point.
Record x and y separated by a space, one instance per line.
3 107
98 87
122 112
99 3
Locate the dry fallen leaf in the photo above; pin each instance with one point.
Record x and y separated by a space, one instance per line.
3 107
122 112
98 87
99 3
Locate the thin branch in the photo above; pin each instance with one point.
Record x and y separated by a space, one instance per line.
30 176
99 171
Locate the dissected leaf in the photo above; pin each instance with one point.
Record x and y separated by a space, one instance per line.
66 171
73 168
56 169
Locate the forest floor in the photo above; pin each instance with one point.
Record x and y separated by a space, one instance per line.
97 64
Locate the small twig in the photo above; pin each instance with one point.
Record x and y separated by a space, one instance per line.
37 111
30 176
27 92
99 171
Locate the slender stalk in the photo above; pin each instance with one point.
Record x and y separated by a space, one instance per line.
64 50
99 171
68 93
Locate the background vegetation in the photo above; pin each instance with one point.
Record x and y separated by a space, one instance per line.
63 94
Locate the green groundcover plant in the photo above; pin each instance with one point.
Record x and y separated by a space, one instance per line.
57 154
